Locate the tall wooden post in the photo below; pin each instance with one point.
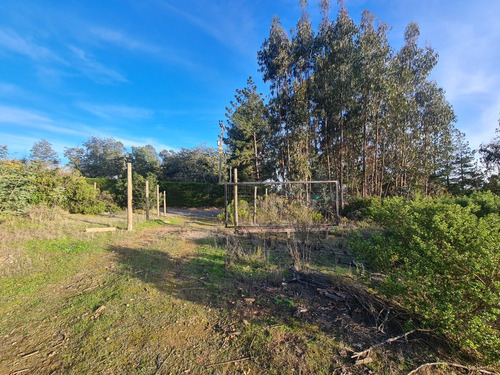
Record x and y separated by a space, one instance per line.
254 204
95 185
164 202
235 198
337 201
147 200
129 196
158 200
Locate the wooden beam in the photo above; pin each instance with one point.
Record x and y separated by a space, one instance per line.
108 229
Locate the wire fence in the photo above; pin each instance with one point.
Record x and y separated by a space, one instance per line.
281 204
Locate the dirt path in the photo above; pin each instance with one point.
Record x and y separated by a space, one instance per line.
206 213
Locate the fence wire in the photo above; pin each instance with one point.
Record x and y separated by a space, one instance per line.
281 204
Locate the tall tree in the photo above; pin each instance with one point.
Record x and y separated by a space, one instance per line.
491 153
373 53
246 132
274 61
344 106
43 154
465 175
99 157
145 160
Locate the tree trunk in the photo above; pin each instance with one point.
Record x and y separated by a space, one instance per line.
256 156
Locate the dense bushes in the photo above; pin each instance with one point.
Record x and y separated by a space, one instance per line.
442 259
24 186
16 187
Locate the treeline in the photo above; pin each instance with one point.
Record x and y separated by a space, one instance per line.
107 158
345 105
189 176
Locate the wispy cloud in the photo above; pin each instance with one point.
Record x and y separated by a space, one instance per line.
229 23
95 70
123 40
26 46
13 116
116 111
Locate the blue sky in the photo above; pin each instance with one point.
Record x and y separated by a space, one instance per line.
161 72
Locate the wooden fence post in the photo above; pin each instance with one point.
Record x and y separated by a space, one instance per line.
129 196
158 200
147 200
235 197
254 204
164 202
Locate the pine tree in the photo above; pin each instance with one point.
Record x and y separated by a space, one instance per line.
246 132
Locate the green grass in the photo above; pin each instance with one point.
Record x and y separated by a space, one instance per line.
165 298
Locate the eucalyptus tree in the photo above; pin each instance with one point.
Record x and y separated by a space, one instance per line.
411 67
302 132
274 61
247 132
334 74
373 55
435 130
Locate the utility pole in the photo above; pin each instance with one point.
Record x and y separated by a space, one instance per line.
219 143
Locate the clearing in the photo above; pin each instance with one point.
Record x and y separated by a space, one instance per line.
180 295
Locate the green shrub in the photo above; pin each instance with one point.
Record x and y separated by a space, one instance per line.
16 187
443 262
358 208
81 198
482 203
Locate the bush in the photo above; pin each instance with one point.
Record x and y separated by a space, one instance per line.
81 198
443 261
358 208
16 187
482 203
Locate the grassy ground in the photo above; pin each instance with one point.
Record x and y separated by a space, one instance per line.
177 296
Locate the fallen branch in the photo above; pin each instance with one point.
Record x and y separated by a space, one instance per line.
388 341
29 354
228 362
451 365
159 365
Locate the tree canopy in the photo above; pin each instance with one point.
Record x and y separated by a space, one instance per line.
347 106
99 157
42 153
